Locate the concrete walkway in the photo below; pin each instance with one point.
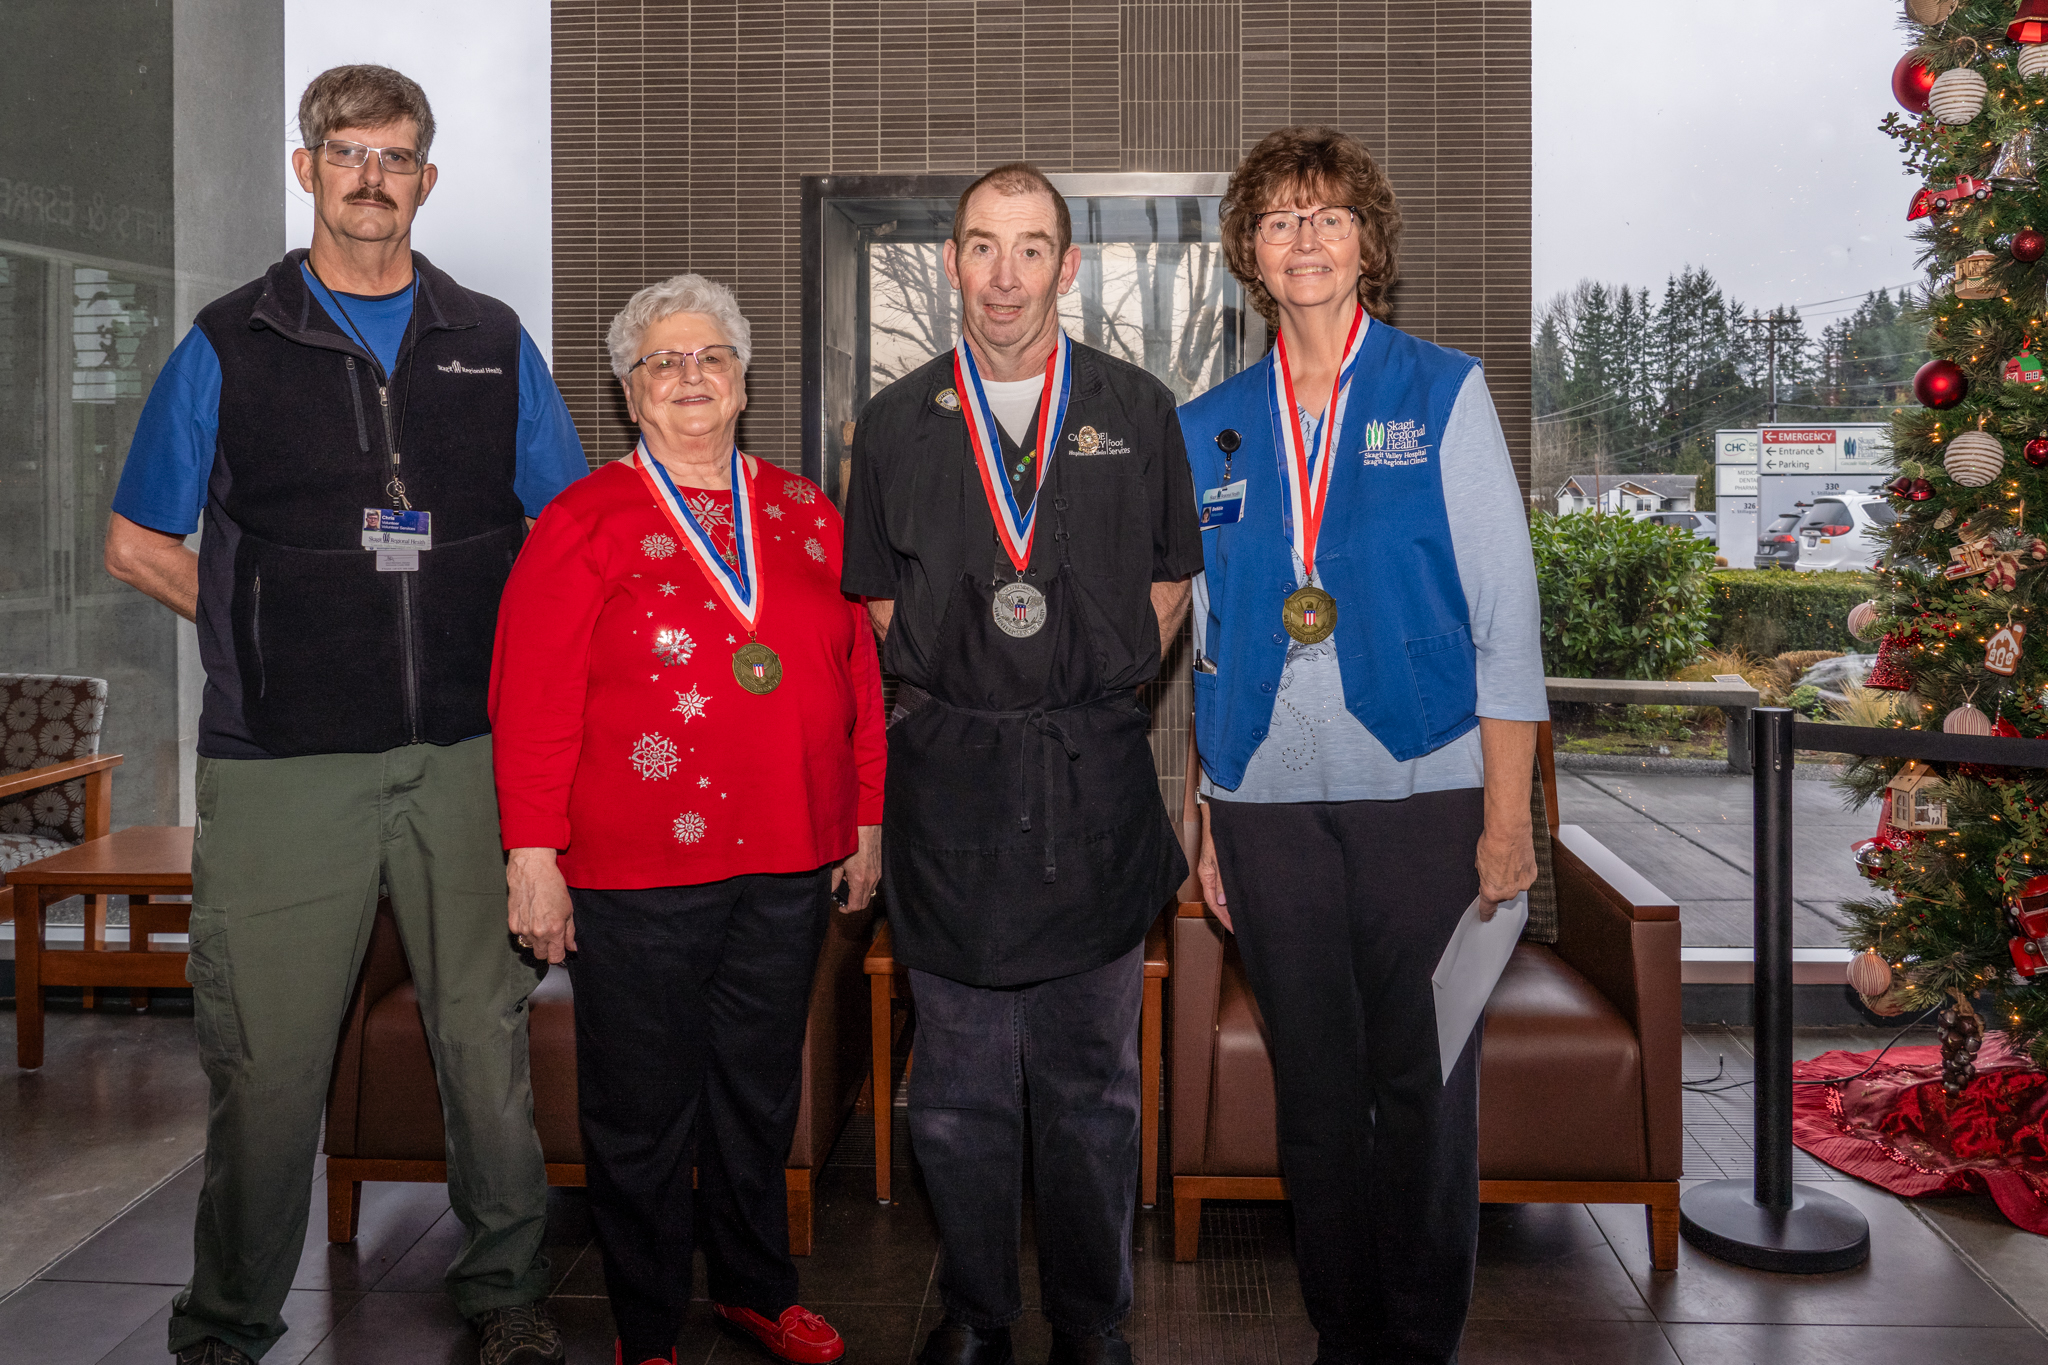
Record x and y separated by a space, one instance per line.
1690 834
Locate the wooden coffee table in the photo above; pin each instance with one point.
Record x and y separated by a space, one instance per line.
141 863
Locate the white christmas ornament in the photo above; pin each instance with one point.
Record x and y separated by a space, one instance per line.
1870 974
2033 61
1930 12
1974 459
1863 620
1958 95
1964 720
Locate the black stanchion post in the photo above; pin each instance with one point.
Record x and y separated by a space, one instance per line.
1773 1224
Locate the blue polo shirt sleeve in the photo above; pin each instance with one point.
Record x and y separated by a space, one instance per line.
550 454
163 483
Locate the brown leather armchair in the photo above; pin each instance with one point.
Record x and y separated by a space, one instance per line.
1579 1097
384 1108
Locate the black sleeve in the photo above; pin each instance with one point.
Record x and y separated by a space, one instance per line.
1176 530
868 565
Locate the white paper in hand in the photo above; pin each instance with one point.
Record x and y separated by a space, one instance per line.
1465 975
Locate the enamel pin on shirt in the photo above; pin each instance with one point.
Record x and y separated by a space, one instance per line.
1019 607
1309 613
738 584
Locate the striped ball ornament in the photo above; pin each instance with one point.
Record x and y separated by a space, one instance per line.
1864 622
2033 61
1965 720
1974 459
1958 95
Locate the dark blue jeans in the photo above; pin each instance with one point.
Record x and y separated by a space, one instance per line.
1065 1052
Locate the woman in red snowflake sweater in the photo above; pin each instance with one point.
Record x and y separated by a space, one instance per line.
687 727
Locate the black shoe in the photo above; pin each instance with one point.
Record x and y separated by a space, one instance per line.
955 1343
213 1351
519 1335
1109 1350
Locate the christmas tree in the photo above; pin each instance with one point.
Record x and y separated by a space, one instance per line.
1961 600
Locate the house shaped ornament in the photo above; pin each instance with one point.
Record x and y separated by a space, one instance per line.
2002 650
1917 799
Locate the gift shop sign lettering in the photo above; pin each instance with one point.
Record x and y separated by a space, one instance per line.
1824 450
92 219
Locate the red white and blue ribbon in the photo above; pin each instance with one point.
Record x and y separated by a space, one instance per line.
739 587
1013 523
1307 469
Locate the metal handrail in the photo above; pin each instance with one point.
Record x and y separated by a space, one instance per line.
1726 691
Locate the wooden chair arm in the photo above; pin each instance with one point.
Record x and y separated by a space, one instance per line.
881 955
50 775
1197 951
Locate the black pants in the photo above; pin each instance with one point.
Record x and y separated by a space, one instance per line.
691 1003
1342 910
1069 1045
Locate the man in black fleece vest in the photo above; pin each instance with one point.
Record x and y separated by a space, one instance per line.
366 442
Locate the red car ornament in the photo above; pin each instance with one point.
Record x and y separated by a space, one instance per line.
1938 199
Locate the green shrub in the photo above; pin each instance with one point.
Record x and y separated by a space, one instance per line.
1621 598
1770 611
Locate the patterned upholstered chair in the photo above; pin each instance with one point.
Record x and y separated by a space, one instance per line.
55 790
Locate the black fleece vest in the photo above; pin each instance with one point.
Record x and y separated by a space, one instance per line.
331 655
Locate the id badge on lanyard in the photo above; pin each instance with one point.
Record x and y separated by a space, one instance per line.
1223 506
397 537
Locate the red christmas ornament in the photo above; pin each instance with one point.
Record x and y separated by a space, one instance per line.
2005 729
1888 673
1940 384
2028 245
2030 25
1911 84
2037 451
1921 490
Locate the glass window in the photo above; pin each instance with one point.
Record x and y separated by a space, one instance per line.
80 345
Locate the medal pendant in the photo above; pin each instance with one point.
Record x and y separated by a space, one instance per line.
756 668
1310 614
1019 610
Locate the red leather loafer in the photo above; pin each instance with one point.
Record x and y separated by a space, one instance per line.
799 1336
619 1356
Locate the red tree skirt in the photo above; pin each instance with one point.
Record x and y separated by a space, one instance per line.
1896 1128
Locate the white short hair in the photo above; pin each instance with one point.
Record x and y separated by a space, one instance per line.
676 294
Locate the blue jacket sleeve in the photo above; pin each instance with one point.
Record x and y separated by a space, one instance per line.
550 455
163 483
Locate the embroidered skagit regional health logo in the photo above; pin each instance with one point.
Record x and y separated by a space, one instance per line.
1395 443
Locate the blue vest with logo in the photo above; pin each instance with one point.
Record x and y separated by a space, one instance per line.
1404 638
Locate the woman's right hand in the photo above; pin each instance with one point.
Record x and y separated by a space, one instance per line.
1212 880
538 909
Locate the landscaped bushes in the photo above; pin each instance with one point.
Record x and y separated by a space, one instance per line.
1621 598
1769 611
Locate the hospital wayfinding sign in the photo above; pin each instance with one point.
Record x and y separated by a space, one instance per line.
1862 448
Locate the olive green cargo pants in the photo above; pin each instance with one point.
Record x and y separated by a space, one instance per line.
286 868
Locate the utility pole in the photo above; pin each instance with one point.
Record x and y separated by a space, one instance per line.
1771 351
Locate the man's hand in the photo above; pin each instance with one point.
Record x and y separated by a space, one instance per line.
881 611
1170 605
155 562
861 872
538 910
1211 878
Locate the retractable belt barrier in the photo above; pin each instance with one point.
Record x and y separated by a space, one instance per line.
1772 1223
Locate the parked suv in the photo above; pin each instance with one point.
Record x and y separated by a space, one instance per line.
1778 546
1840 531
1700 524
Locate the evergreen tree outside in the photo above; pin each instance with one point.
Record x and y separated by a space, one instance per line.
1624 385
1963 563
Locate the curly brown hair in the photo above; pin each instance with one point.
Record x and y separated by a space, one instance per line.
1313 164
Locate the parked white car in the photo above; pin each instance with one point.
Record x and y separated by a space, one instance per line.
1841 531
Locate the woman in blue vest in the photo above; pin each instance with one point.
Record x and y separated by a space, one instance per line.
1367 687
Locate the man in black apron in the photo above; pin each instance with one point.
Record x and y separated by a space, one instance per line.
1026 585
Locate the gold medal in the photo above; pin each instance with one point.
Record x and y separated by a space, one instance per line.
1310 614
757 668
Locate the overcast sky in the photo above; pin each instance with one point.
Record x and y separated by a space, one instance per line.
1740 135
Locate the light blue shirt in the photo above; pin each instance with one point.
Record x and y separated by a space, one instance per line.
1315 749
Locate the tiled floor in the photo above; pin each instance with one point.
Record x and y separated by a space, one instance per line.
1690 834
1948 1280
